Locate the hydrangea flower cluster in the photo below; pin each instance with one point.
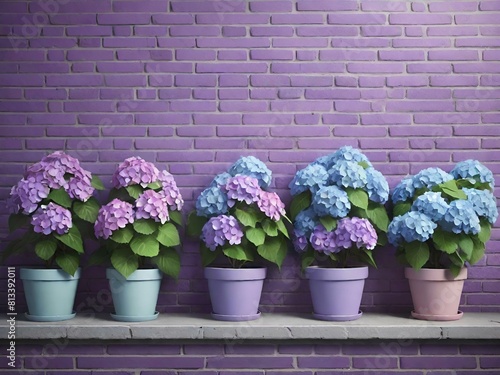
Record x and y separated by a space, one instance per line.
253 167
333 185
242 189
171 191
51 218
271 205
135 170
472 169
113 216
220 230
152 205
412 226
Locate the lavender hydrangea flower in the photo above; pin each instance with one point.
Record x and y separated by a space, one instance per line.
412 226
312 178
461 217
404 190
211 202
331 201
52 218
484 203
355 232
80 188
348 174
135 170
305 221
323 240
253 167
432 204
152 205
113 216
221 229
28 192
220 180
430 177
242 189
271 205
171 191
299 243
376 186
473 169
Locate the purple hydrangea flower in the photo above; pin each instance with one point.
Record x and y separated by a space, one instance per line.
211 202
135 170
152 205
113 216
80 188
355 232
484 203
312 178
323 240
331 201
473 169
52 218
28 192
242 189
221 229
253 167
348 174
171 191
299 242
271 204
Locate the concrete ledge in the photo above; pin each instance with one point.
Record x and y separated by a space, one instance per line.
269 327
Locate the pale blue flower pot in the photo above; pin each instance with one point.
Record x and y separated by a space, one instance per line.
50 293
135 297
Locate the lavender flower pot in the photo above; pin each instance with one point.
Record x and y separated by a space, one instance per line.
50 293
336 292
436 293
135 297
235 293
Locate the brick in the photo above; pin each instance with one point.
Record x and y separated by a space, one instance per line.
191 106
296 19
453 7
195 80
136 42
120 67
325 5
243 106
323 362
72 19
488 5
234 31
22 80
378 31
300 43
347 55
243 131
232 19
233 42
380 362
311 81
429 68
337 93
491 55
384 6
239 94
151 6
306 55
421 43
198 31
339 18
232 55
420 19
367 81
206 6
452 31
172 19
375 67
307 119
123 19
271 6
426 93
424 106
281 362
483 67
436 362
453 143
210 94
176 362
477 42
48 363
447 55
293 67
309 106
271 31
326 31
414 31
402 55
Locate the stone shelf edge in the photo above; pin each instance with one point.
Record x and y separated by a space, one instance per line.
269 327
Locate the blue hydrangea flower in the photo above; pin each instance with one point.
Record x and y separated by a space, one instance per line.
412 226
348 174
312 177
376 186
352 154
220 180
432 204
484 203
331 201
253 167
211 202
472 169
305 222
404 190
461 217
430 177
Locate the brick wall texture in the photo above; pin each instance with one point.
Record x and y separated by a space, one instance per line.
408 357
193 85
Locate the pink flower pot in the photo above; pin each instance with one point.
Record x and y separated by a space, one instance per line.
436 293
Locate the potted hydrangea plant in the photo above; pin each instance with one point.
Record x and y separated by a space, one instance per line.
52 207
139 231
441 223
240 224
339 218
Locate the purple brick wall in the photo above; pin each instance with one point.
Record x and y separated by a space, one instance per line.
192 85
61 357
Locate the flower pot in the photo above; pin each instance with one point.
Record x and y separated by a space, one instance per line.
336 292
435 293
235 293
135 297
50 293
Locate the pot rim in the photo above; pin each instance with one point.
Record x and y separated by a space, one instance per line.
137 275
242 274
434 274
336 274
47 274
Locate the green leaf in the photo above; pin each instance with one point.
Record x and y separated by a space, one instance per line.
145 226
120 194
466 244
123 235
19 246
457 260
270 227
485 233
445 241
238 252
168 235
328 222
207 255
134 190
195 224
477 251
381 238
46 249
364 164
401 208
247 218
282 228
17 221
176 217
97 183
417 254
100 256
257 236
378 216
155 185
145 246
68 261
455 270
124 261
72 239
307 259
169 262
366 256
358 197
61 197
87 210
273 250
451 189
300 202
